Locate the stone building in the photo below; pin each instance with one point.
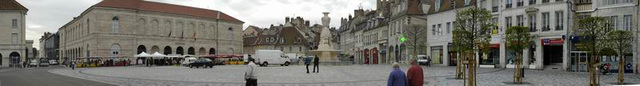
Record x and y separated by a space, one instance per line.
621 13
123 28
13 46
403 14
440 25
288 39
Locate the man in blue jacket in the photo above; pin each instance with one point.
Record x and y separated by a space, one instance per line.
307 61
397 77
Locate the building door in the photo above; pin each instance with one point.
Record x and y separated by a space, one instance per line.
552 54
374 52
15 59
436 54
366 56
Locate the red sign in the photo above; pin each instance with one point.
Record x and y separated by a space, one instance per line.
556 41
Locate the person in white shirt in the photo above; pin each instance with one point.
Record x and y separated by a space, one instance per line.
250 74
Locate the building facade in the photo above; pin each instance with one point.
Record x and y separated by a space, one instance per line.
123 28
13 46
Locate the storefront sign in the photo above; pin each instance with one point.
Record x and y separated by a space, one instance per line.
556 41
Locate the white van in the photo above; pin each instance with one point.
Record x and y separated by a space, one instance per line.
188 61
267 57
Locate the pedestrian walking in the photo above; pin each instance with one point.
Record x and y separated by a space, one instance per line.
316 61
415 74
307 61
73 65
397 77
250 74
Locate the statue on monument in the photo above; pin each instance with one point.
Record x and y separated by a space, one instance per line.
325 51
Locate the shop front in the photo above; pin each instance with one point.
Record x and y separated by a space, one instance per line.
436 54
552 51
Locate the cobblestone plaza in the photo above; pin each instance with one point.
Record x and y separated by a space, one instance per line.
352 75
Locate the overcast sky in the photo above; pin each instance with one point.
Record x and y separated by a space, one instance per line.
49 15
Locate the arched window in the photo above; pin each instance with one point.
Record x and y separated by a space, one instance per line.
115 49
115 26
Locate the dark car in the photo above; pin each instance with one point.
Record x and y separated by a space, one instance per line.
202 63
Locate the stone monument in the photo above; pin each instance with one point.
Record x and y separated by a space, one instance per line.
325 51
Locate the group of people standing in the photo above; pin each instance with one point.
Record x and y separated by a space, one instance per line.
316 61
414 76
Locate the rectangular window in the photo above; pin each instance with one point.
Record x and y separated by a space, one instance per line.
532 23
14 23
439 31
508 21
627 22
14 37
448 27
615 22
545 22
559 20
545 1
508 3
494 6
520 20
299 48
520 3
531 2
290 49
433 30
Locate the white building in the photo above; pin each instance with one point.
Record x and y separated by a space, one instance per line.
123 28
13 46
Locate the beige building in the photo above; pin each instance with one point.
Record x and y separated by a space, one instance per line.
123 28
12 38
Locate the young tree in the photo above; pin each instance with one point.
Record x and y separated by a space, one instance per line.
518 38
472 33
416 35
620 41
594 31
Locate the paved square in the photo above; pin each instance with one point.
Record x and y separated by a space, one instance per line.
351 75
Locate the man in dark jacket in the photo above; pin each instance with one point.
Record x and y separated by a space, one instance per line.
316 61
307 61
415 74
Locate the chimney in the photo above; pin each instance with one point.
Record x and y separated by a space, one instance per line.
286 19
306 23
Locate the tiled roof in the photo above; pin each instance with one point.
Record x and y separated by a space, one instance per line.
165 8
248 41
290 34
11 5
445 5
414 7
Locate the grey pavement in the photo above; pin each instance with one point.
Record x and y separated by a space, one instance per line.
38 76
351 75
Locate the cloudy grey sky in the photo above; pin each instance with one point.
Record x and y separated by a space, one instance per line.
49 15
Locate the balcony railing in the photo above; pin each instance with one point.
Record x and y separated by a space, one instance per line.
533 29
546 28
558 27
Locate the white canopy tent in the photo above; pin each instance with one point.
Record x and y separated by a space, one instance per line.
156 54
143 54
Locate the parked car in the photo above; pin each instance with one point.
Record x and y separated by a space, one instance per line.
423 60
33 63
267 57
44 62
204 62
53 62
188 61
